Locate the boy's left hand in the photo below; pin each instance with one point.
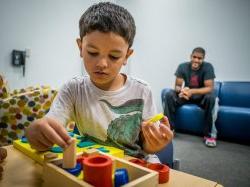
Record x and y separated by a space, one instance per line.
156 138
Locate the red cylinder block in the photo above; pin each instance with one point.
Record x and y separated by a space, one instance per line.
163 171
98 170
80 160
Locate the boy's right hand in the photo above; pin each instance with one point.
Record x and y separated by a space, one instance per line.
44 133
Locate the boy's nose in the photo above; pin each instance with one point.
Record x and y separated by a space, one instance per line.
102 63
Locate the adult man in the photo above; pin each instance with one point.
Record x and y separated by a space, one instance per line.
194 84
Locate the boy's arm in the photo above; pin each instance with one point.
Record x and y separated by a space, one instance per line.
44 133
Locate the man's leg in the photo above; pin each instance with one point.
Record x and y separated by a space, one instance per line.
172 101
208 103
215 113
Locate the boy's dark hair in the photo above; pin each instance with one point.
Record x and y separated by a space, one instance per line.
199 50
108 17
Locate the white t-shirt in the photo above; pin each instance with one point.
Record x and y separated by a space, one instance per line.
109 117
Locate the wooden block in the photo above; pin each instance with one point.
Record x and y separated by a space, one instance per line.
48 156
89 152
69 155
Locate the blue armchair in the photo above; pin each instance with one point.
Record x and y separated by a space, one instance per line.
233 121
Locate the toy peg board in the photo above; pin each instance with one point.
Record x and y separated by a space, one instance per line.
82 146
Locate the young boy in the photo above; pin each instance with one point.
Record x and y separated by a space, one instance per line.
107 106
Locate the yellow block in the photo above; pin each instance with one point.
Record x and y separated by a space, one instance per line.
39 156
156 118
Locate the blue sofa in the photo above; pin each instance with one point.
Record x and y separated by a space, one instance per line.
233 120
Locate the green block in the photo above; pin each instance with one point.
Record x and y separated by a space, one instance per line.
85 144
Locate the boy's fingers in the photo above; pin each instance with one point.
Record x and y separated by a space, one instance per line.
165 121
62 132
45 141
152 134
49 131
43 145
154 130
166 132
39 146
148 136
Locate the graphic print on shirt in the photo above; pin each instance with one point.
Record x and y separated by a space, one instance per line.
194 81
124 131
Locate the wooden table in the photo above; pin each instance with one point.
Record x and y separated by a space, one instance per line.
21 171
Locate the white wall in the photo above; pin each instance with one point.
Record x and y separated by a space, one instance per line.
167 31
49 29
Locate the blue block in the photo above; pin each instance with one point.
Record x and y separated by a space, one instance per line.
103 149
24 139
75 171
121 177
56 149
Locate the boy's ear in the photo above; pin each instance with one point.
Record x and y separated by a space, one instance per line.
129 53
79 43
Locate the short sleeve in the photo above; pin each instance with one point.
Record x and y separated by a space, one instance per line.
179 71
209 72
149 108
63 104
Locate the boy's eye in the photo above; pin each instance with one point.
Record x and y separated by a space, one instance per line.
92 53
113 57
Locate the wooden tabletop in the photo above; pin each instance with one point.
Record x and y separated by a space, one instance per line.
21 171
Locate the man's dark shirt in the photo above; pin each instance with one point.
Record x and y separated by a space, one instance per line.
195 79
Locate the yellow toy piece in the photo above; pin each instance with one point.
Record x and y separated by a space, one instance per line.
156 118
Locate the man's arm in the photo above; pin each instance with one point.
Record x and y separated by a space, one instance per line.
178 84
208 81
208 88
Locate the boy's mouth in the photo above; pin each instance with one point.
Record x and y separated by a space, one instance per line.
100 73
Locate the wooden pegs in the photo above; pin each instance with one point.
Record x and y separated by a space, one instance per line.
69 155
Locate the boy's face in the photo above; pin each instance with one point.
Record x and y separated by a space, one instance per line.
103 55
196 60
